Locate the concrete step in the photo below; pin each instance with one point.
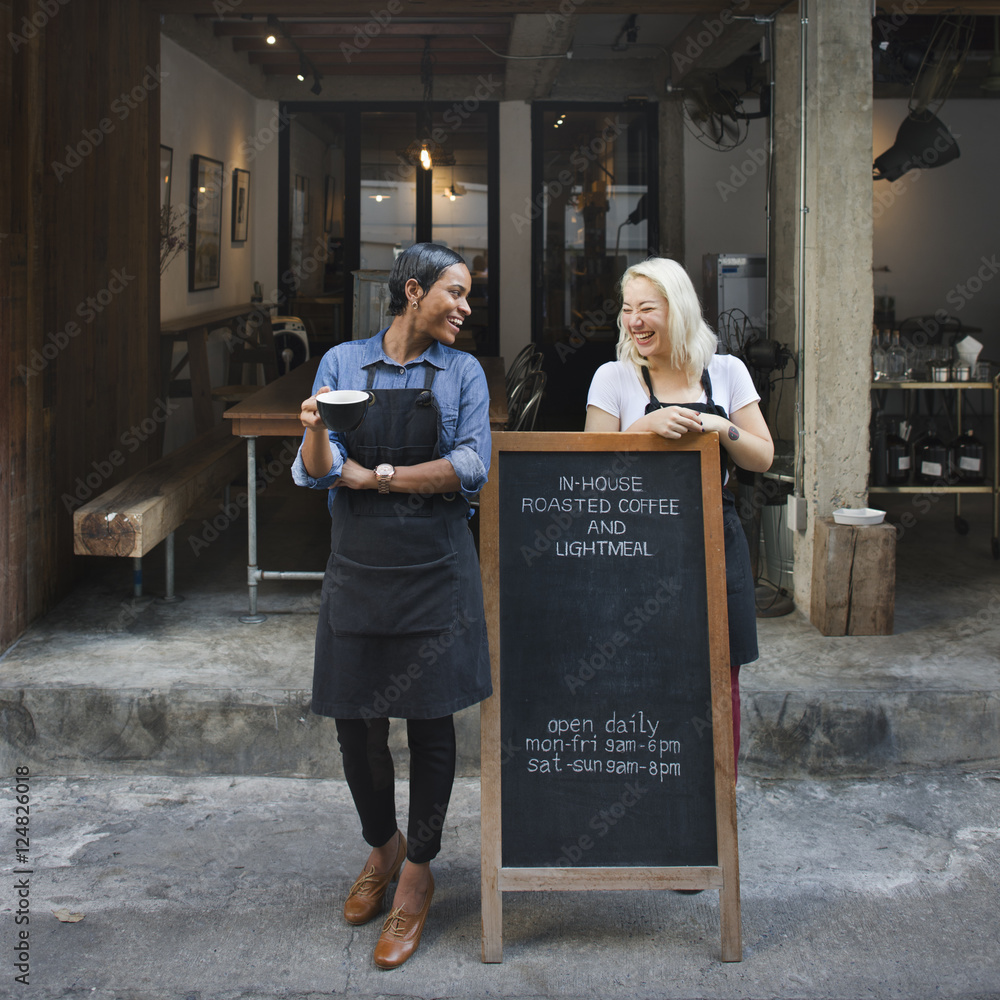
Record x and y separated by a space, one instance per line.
107 685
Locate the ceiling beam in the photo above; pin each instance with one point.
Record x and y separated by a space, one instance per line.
546 35
347 29
443 46
364 9
332 65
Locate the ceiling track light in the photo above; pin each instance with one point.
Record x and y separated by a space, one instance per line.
317 87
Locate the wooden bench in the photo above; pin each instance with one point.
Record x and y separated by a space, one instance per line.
131 518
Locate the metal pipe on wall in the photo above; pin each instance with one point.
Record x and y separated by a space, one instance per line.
799 487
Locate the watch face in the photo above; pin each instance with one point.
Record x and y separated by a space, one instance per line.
384 470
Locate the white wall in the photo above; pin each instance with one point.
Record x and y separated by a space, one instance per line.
938 230
724 199
203 113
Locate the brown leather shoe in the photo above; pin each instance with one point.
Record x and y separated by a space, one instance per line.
365 898
401 934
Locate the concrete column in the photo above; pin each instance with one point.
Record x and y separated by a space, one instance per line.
838 281
671 159
515 227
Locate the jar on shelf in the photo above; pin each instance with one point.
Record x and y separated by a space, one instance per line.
897 460
967 459
930 460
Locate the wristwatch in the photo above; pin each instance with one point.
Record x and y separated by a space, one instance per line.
383 473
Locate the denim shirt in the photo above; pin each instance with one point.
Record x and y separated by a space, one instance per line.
459 389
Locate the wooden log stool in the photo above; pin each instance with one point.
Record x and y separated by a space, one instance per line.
854 578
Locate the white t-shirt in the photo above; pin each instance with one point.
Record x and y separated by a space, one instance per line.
618 388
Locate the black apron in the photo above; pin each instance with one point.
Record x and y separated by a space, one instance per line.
740 595
401 625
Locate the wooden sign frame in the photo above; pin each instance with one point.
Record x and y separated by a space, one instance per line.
724 876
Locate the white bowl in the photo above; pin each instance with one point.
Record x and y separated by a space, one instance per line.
858 515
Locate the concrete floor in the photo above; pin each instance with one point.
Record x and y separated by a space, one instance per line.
187 804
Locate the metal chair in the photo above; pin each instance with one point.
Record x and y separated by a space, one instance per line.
526 400
518 367
251 346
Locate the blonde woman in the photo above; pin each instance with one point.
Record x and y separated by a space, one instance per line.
669 380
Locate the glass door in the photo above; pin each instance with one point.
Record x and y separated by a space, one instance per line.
355 196
593 170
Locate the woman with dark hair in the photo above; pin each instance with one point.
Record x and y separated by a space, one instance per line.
666 351
401 626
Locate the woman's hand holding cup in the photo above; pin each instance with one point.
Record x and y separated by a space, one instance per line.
309 413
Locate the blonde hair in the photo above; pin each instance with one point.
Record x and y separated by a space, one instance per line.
692 342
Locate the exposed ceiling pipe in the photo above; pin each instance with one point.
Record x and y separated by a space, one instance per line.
799 489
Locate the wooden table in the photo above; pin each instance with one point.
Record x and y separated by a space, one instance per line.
273 411
496 382
195 330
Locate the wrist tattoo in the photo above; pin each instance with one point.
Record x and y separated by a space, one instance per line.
734 434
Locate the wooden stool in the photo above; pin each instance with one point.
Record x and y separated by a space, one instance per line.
853 578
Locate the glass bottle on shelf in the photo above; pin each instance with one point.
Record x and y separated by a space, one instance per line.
930 460
967 459
896 359
879 370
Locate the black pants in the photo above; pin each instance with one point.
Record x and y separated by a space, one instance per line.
368 768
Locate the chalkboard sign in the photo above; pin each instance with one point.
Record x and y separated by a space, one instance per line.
604 579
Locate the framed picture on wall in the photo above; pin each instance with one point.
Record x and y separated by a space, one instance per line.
205 252
241 204
331 187
166 171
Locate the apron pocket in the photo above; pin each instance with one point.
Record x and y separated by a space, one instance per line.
420 599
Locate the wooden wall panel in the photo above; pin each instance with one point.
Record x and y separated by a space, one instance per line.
13 340
83 164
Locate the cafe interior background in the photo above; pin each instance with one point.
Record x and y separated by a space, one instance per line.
569 140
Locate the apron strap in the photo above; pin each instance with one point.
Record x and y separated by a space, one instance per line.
706 384
649 385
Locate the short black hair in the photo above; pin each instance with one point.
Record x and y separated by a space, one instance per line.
424 262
